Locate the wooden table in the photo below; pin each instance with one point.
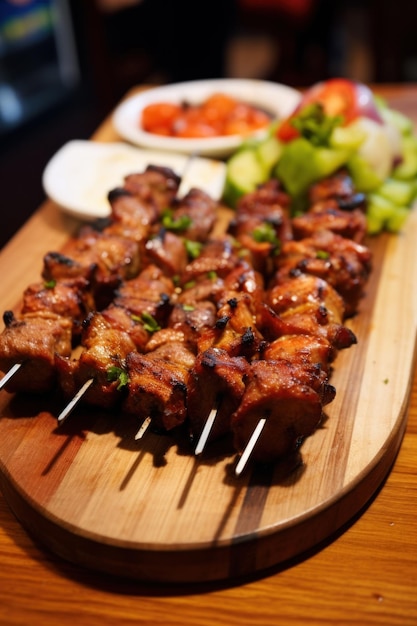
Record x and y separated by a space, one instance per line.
365 575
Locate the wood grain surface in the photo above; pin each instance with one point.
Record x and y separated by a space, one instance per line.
365 573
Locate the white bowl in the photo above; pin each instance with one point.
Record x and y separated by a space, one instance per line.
81 174
279 100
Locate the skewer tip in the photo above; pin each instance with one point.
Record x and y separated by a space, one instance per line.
144 427
206 431
12 371
250 446
70 406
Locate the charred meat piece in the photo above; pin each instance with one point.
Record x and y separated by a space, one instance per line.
103 360
292 408
244 279
122 319
167 251
130 217
235 330
33 340
343 263
104 260
262 223
197 212
217 257
192 319
158 385
156 187
307 319
302 289
338 186
217 381
328 215
205 288
303 350
70 298
149 293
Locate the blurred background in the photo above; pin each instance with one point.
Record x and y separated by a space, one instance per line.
64 64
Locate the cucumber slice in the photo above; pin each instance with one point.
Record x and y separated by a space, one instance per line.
382 214
244 172
408 167
302 164
397 119
347 137
269 152
363 176
400 192
397 220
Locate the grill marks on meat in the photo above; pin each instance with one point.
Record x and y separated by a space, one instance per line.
34 340
343 263
158 384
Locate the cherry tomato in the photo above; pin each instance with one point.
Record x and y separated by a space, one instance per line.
220 114
159 117
339 96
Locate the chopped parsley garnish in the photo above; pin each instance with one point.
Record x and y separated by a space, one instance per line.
322 254
49 284
193 248
188 307
149 322
314 124
265 233
170 222
118 374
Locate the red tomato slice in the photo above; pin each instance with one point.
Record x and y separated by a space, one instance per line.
339 96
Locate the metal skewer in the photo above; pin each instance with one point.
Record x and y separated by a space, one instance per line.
64 414
206 431
144 427
12 371
250 446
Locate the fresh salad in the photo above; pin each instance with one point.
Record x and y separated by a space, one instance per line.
337 124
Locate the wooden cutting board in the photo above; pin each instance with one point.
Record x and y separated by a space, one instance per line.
149 509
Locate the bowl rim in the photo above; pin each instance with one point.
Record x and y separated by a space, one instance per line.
280 100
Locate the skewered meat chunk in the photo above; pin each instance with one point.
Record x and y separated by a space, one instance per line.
130 217
217 256
261 223
302 289
103 360
103 259
58 267
243 279
192 320
199 209
70 298
157 186
268 201
235 330
343 263
158 385
327 215
303 350
307 319
149 293
281 393
338 186
33 340
203 289
122 319
217 380
167 251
